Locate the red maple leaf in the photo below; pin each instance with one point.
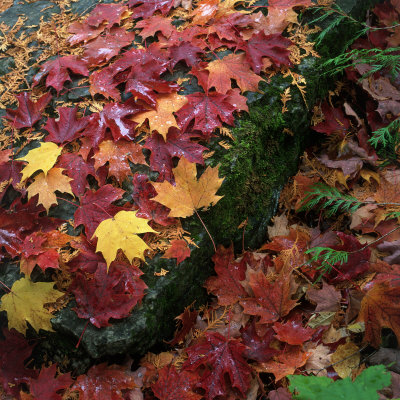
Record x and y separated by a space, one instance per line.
66 127
335 121
146 8
156 23
10 171
272 300
273 46
103 382
187 52
14 350
208 111
292 331
57 71
219 355
258 347
173 385
177 145
95 207
143 192
103 48
226 285
109 13
46 385
28 112
179 250
186 320
87 259
78 169
107 295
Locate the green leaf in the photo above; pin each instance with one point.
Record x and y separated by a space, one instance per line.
364 387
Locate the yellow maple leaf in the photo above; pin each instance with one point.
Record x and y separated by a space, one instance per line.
121 232
188 194
46 185
25 304
41 158
162 119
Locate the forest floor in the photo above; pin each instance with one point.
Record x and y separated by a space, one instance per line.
313 313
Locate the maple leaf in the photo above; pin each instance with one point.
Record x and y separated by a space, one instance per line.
96 207
65 128
187 321
106 296
156 23
103 382
77 169
179 250
177 145
57 71
208 111
40 158
83 32
189 194
233 66
226 285
335 121
46 185
205 10
25 304
187 52
46 385
273 46
293 332
272 300
117 154
326 299
143 193
103 48
87 260
28 112
285 363
14 350
146 8
219 355
258 347
120 232
108 13
380 308
162 118
172 385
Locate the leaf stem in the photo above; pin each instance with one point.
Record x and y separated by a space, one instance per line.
204 225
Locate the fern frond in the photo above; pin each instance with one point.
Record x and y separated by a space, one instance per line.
330 199
385 135
327 258
378 59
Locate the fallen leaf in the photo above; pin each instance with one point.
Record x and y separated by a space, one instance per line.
46 185
120 232
189 194
346 359
40 158
25 304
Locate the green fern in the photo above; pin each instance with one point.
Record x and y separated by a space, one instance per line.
327 258
330 199
386 141
333 16
378 59
364 387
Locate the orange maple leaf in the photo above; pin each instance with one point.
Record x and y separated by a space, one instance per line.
188 194
233 66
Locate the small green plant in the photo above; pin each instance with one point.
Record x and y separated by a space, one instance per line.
327 258
378 60
330 199
364 387
386 141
